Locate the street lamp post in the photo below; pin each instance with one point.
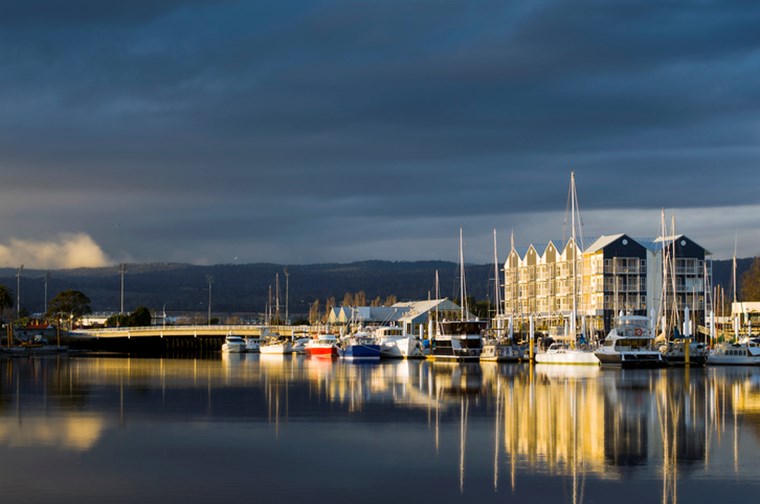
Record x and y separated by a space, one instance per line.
122 270
18 290
47 279
210 280
287 278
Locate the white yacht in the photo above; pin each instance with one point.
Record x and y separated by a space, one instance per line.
252 345
630 344
395 344
561 352
233 344
746 353
276 346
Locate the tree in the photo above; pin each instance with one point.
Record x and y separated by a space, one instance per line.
67 307
750 282
314 312
141 317
6 299
348 299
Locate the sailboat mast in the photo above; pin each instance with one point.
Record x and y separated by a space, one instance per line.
497 294
462 292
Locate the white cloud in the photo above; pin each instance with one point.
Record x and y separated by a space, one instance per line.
68 250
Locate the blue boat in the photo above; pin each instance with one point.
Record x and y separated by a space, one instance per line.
360 347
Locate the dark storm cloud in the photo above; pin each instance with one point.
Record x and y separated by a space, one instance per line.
285 121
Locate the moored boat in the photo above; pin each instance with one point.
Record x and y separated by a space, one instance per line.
395 344
630 344
500 351
233 344
560 352
459 340
324 345
252 345
746 353
674 353
360 346
276 346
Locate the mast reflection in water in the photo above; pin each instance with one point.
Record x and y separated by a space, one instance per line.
267 428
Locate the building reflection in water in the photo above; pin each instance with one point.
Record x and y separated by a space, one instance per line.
572 422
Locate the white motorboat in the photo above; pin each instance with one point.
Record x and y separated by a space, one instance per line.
630 344
252 345
395 344
233 344
746 353
560 352
276 346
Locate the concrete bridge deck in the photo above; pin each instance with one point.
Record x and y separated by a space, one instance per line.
194 331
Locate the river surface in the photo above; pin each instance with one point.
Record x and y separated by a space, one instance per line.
265 428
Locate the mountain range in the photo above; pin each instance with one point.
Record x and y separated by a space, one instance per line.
245 288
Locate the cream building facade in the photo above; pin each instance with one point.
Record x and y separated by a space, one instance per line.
604 277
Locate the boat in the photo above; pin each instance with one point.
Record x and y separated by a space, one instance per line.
746 353
394 344
674 352
233 344
570 348
499 348
324 345
252 345
630 344
459 340
560 352
299 345
276 346
501 351
359 346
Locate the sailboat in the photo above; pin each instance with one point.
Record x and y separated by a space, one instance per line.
498 348
566 351
678 347
459 340
735 353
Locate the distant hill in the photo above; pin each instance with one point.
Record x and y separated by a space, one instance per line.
244 288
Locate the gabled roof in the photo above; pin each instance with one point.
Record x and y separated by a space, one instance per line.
417 308
602 242
659 241
521 251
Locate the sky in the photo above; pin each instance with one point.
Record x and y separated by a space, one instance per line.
299 132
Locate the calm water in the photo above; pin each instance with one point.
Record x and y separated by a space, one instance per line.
277 429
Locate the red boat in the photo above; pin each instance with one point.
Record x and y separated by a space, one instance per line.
324 345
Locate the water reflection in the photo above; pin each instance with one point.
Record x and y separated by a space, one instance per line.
572 433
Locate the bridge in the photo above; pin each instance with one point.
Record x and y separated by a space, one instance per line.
182 339
194 331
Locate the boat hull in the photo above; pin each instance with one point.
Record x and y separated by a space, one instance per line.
366 352
569 357
632 359
500 353
276 348
321 351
